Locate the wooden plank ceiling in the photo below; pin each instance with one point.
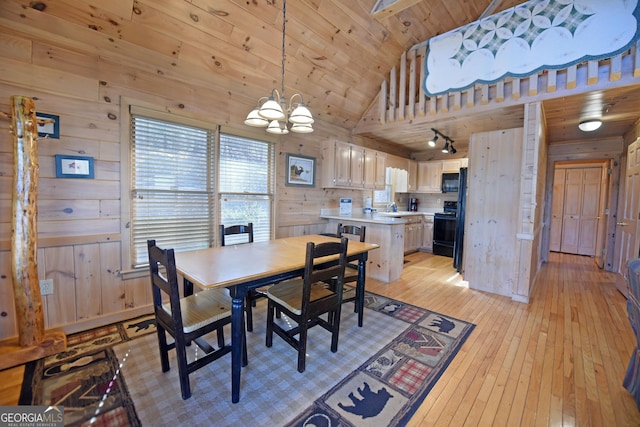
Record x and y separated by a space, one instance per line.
337 53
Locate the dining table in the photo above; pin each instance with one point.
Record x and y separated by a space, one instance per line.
247 266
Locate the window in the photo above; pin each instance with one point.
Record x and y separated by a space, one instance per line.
173 184
246 183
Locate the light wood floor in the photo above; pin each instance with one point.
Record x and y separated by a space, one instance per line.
558 361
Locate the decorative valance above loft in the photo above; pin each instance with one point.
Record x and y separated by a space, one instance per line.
536 35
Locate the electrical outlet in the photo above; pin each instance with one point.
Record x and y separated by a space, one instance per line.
438 201
46 287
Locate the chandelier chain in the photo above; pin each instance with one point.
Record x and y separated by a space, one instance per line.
284 27
274 111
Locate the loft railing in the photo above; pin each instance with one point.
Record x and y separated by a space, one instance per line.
402 96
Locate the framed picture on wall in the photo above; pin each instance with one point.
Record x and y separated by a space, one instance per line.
48 125
74 166
301 171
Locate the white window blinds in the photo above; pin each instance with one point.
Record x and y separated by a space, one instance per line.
172 186
246 185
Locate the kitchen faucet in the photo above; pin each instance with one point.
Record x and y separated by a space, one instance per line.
392 207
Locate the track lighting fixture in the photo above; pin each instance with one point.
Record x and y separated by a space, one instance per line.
432 141
448 142
445 149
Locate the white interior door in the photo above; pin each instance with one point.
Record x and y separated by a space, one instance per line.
589 211
627 224
571 212
557 207
576 223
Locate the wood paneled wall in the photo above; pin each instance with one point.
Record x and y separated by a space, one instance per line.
491 254
79 220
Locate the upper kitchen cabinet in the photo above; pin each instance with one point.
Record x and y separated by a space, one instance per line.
343 164
429 177
413 176
454 165
375 164
348 165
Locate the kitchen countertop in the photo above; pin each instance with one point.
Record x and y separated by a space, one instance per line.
378 217
370 218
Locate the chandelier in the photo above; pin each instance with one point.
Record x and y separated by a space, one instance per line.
273 112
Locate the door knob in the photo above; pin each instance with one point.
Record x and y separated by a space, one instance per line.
621 223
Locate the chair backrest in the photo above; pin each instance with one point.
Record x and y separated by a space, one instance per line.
317 270
164 279
353 230
239 229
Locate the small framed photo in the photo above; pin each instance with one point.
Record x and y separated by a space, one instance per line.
74 166
301 171
50 129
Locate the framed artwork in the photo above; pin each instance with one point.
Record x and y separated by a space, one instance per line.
301 171
74 166
51 129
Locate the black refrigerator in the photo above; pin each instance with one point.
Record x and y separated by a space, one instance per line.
462 207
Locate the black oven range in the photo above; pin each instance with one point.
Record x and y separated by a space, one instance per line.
444 229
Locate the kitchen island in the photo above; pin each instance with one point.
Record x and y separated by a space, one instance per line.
385 229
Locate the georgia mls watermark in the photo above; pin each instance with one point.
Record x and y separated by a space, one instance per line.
31 416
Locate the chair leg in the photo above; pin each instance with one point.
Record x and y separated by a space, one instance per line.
249 312
302 347
183 373
220 334
163 347
269 334
245 358
335 333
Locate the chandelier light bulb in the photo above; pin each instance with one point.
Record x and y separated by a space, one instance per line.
271 110
276 128
301 128
255 119
301 115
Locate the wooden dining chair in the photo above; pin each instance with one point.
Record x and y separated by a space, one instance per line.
186 319
351 274
305 300
242 234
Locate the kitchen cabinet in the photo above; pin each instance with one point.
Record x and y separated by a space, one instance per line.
454 165
413 176
413 231
374 169
451 165
343 165
429 177
348 165
427 233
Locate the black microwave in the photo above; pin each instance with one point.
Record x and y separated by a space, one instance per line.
450 182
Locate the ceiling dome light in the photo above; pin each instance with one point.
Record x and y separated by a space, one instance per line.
590 125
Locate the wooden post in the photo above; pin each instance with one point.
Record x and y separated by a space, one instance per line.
24 233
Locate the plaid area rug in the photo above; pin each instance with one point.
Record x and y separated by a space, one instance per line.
379 376
85 378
